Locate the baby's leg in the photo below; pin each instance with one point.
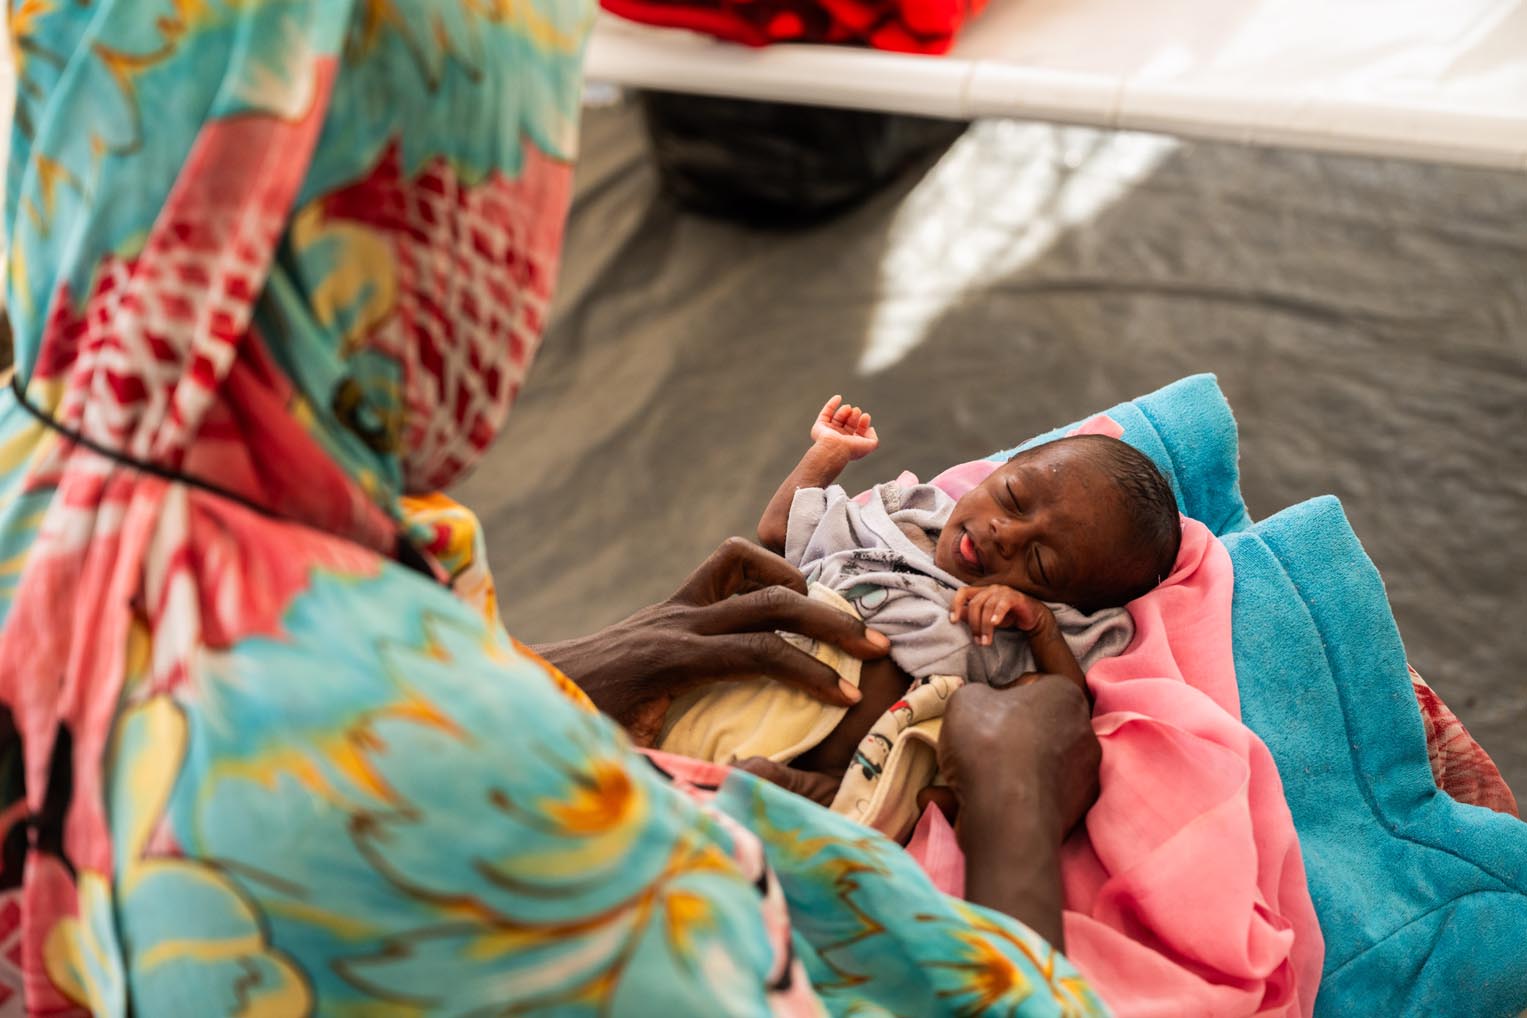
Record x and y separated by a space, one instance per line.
882 683
817 773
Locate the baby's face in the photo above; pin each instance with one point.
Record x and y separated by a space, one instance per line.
1050 523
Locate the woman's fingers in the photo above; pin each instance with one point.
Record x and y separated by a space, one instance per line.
776 608
731 610
738 567
830 408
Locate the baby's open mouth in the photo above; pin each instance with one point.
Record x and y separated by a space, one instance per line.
969 553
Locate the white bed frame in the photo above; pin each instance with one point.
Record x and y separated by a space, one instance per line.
1436 80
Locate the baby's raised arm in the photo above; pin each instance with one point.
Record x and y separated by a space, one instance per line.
840 434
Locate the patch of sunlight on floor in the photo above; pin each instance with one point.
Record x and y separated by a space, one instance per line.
974 220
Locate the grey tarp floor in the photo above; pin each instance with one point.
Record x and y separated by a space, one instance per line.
1367 320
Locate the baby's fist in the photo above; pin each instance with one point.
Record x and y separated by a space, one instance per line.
846 428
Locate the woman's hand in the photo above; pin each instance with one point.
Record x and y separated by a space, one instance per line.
1031 743
846 429
1021 764
721 624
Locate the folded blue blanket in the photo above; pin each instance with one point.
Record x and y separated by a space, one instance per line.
1422 900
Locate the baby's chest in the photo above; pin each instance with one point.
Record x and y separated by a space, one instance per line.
922 540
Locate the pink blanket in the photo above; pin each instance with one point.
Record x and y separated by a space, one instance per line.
1185 890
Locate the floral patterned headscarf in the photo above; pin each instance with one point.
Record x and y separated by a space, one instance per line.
217 219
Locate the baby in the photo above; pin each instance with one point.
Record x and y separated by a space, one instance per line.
1085 524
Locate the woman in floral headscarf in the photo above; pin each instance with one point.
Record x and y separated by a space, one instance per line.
274 266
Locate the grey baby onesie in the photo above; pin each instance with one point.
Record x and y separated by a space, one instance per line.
879 557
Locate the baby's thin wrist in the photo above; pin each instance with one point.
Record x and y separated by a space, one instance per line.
828 456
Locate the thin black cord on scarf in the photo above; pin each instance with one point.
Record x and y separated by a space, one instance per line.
404 552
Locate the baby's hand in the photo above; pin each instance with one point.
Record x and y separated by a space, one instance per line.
846 428
989 608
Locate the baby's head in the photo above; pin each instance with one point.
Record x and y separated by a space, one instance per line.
1086 521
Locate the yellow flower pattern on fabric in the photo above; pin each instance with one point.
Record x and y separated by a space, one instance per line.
285 260
237 969
452 533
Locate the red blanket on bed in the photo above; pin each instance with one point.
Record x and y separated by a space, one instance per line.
907 26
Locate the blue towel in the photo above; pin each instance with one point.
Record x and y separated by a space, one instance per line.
1422 900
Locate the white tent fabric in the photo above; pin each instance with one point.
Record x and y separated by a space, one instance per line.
1437 80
